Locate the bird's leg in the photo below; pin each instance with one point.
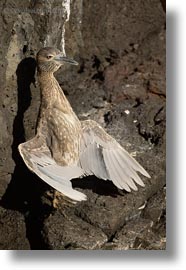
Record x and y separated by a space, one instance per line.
55 202
60 200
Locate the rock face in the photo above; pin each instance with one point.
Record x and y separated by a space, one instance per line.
71 232
120 82
13 230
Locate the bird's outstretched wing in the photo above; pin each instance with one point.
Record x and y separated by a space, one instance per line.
38 159
102 156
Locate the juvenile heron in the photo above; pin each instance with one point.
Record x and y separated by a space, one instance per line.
65 147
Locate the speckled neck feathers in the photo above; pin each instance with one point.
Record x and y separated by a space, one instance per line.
51 93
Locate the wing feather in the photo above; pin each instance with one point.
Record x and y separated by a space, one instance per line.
101 155
38 160
123 171
112 171
132 162
129 170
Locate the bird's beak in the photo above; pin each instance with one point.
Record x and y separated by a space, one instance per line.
65 59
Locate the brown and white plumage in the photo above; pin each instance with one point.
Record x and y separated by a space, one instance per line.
65 148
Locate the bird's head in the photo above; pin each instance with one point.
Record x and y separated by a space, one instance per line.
50 60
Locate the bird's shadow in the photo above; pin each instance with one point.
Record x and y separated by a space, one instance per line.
98 186
24 191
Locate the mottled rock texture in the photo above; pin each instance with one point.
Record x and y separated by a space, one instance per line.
120 82
13 230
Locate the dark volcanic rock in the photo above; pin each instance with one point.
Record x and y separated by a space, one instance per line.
111 28
13 230
64 230
120 83
145 232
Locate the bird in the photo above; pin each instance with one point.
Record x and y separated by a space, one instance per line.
65 148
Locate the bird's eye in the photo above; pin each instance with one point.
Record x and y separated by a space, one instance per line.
49 56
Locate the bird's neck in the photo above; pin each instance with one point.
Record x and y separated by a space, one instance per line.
51 93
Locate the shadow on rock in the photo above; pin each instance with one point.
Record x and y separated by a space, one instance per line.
98 186
24 191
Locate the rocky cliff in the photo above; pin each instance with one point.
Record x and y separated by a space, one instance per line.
120 82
